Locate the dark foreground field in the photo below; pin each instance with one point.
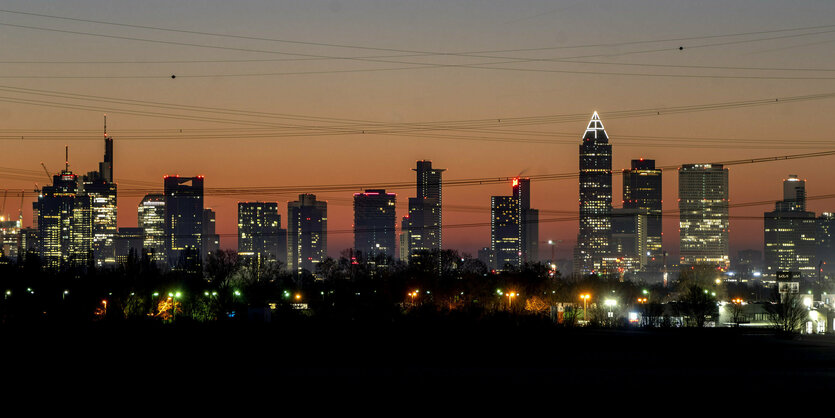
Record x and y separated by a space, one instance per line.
334 355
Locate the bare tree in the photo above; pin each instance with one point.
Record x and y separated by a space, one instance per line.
788 316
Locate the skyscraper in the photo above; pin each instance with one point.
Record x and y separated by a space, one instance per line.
825 237
374 224
184 222
425 218
102 190
642 190
307 233
261 240
64 223
790 232
703 214
595 234
504 232
128 243
514 227
629 240
151 218
211 240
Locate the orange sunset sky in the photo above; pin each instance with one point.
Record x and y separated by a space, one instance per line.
267 81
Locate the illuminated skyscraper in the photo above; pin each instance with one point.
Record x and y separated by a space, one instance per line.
790 232
642 191
504 232
594 238
425 217
703 214
184 222
10 238
825 237
514 227
374 224
307 233
261 240
64 223
151 214
101 189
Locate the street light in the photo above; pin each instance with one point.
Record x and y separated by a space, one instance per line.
510 297
585 297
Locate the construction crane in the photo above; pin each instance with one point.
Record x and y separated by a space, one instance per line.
48 175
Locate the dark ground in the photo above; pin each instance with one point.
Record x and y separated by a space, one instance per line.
341 354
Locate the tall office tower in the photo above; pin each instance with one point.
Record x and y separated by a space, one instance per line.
374 224
211 240
425 218
514 226
151 218
790 232
261 241
794 194
30 242
103 210
629 238
642 190
404 250
64 223
703 214
307 233
595 234
9 238
128 243
101 189
826 244
184 222
504 232
528 221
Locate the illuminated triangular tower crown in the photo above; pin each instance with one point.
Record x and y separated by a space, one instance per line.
596 128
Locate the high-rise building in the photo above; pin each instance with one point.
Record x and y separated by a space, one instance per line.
101 188
211 240
425 218
64 223
184 222
128 243
790 232
151 218
703 215
504 232
307 233
103 211
261 240
642 191
594 238
404 250
629 239
374 224
514 227
825 237
9 238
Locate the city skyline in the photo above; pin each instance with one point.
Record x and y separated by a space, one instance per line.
232 155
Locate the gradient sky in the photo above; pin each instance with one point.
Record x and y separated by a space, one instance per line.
421 95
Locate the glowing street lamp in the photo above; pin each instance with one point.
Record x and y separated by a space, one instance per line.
510 296
585 297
